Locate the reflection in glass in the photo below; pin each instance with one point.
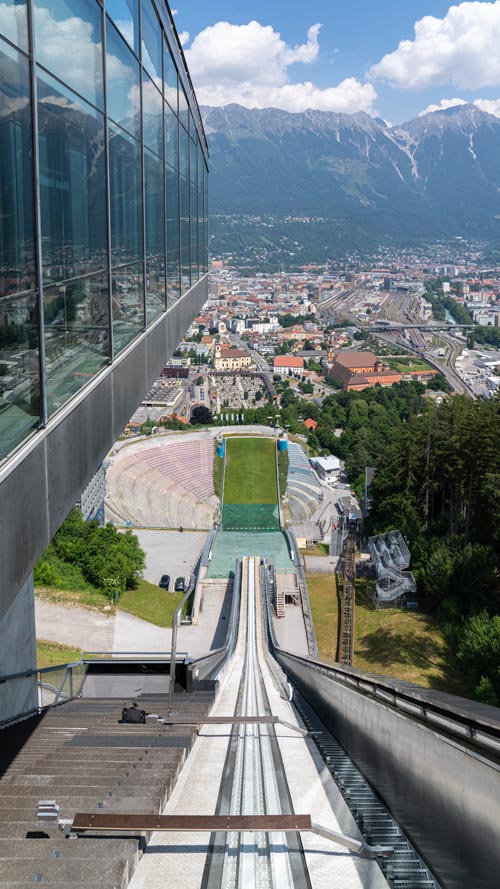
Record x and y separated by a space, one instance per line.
19 370
152 43
16 175
194 231
183 153
156 302
173 261
77 343
152 108
69 44
169 78
72 183
128 304
185 239
183 107
171 138
122 82
125 187
125 14
205 218
154 190
14 22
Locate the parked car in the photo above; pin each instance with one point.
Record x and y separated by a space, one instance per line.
180 584
164 581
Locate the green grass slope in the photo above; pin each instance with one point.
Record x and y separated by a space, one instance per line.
250 475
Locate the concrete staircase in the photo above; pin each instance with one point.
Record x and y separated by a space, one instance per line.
81 756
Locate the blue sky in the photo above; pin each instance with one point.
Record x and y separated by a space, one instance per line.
273 54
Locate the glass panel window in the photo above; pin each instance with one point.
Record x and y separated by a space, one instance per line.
193 160
125 14
154 188
185 239
123 84
125 184
128 304
171 138
155 204
184 153
19 370
156 301
173 259
183 107
16 175
77 343
152 107
72 183
194 232
69 44
205 219
14 22
169 78
152 43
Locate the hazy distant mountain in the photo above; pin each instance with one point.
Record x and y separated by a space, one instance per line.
437 176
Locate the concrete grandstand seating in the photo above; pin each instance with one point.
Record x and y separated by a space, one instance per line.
164 485
79 755
303 489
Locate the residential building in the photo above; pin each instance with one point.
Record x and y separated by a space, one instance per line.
288 365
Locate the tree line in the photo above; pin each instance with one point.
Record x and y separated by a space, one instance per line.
438 481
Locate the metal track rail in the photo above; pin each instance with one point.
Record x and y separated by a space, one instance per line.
345 648
254 780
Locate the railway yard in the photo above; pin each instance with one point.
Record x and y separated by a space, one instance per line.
404 322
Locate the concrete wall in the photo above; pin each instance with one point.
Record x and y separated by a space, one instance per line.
444 795
42 481
18 652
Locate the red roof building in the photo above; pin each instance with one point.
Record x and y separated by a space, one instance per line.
288 365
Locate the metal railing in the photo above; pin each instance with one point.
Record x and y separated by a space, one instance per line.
49 686
312 645
475 723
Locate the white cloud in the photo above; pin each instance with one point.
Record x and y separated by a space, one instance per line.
249 64
184 37
491 106
442 106
461 49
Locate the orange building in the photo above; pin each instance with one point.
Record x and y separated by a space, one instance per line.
361 370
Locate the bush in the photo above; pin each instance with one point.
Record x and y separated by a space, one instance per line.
112 562
46 574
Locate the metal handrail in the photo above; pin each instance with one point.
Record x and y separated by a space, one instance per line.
413 701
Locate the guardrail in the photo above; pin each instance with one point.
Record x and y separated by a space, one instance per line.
50 686
304 595
213 664
471 721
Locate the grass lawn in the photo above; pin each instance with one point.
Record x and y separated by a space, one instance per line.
51 654
402 365
402 644
321 549
90 598
250 475
151 603
148 601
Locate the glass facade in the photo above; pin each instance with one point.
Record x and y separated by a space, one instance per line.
103 219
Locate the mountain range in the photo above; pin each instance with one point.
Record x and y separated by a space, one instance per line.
364 183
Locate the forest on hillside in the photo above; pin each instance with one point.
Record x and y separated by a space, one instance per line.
438 481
